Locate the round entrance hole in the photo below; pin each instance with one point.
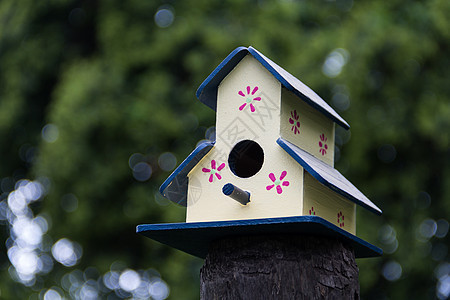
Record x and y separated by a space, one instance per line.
246 159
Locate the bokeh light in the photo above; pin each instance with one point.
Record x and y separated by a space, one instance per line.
25 245
140 167
442 274
111 280
210 134
167 161
89 290
392 270
165 16
50 133
442 228
52 294
388 238
129 280
136 284
66 252
427 228
334 62
159 290
142 171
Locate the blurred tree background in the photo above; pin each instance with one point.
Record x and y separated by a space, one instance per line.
97 107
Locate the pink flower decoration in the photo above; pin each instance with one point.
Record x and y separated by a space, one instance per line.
249 98
340 219
312 212
278 182
322 144
214 171
294 121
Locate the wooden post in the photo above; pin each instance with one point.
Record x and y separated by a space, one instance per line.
279 267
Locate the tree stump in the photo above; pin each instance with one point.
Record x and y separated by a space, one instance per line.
279 267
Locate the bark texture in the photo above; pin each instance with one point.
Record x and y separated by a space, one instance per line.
279 267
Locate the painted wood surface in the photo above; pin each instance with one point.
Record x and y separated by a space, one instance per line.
276 190
195 237
323 202
307 128
248 108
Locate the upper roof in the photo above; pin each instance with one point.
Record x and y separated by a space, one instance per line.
207 92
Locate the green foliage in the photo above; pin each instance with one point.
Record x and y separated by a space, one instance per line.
113 83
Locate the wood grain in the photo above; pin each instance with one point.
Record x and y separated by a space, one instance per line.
279 267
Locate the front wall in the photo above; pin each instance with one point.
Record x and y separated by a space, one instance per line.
235 123
323 202
206 202
315 130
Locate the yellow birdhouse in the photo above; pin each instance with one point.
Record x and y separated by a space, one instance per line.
273 157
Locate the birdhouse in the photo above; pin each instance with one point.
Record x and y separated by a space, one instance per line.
272 161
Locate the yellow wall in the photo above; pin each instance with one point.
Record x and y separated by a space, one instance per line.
206 202
312 125
319 200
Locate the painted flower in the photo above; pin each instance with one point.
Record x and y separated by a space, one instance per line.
323 147
278 182
214 171
340 219
249 98
312 212
294 121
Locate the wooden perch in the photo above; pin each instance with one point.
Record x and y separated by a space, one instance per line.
236 193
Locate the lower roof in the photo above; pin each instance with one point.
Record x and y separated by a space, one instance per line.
328 176
175 188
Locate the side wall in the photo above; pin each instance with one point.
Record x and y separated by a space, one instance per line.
306 127
323 202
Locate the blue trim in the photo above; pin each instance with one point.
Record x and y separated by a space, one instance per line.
267 64
180 173
228 189
336 181
195 238
207 91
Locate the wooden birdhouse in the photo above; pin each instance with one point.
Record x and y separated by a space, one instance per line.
273 157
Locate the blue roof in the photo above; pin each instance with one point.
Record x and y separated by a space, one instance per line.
207 92
328 176
175 188
176 185
196 237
